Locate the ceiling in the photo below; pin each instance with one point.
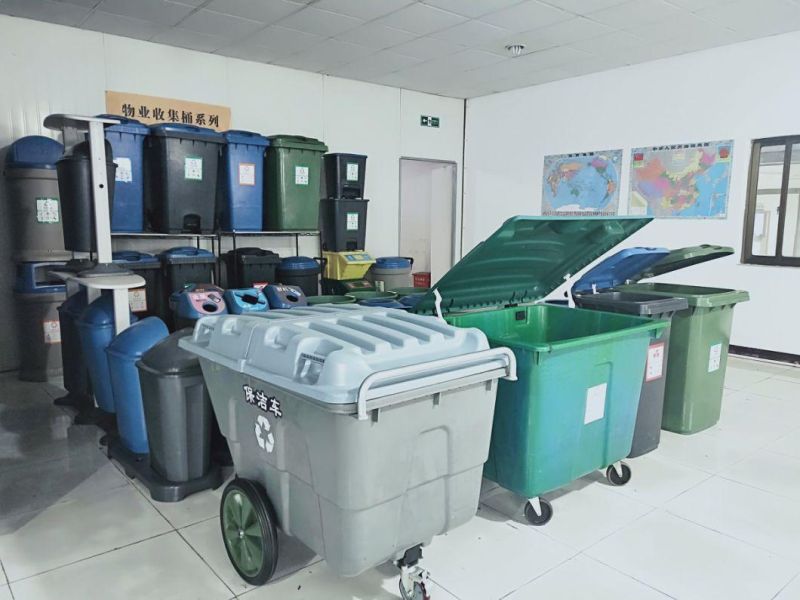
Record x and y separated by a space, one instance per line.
448 47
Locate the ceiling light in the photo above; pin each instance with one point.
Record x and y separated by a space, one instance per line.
515 49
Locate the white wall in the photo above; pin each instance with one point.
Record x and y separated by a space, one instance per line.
743 91
48 68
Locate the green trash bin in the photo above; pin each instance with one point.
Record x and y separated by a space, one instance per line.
573 408
699 341
291 186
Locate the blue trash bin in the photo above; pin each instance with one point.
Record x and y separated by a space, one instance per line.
127 142
96 330
285 296
195 301
241 198
383 303
245 301
76 377
122 354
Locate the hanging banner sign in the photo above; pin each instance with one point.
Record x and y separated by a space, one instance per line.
152 109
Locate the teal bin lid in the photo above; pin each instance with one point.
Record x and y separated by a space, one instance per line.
526 259
681 258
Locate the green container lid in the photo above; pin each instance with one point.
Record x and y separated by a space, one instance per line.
526 259
681 258
297 142
329 299
408 291
365 295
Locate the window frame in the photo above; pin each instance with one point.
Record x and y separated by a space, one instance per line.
788 141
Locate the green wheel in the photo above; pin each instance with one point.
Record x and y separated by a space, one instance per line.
248 530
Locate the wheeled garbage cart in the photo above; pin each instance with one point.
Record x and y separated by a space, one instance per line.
361 432
573 408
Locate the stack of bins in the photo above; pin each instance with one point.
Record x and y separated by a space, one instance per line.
573 409
127 143
592 291
180 267
699 342
402 390
241 178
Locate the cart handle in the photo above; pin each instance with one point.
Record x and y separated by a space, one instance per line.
431 373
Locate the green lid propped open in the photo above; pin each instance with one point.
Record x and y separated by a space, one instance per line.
681 258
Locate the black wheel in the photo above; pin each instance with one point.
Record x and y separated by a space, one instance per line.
615 478
420 592
536 519
248 530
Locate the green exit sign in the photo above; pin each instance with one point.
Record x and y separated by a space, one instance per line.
428 121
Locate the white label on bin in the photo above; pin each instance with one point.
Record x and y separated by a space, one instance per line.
137 299
352 171
47 210
264 437
352 221
655 362
714 358
595 403
193 168
52 332
301 175
247 174
124 170
379 285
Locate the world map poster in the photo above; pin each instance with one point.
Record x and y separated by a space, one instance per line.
583 184
689 181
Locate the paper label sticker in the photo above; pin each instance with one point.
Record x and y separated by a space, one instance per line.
47 210
247 174
138 300
124 172
52 332
193 168
655 362
352 221
379 285
714 358
352 171
595 403
301 175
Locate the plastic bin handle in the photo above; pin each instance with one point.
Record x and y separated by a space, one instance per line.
432 373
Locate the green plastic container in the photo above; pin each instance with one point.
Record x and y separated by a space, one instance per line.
329 299
291 184
356 296
574 406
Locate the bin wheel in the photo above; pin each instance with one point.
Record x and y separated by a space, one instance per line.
615 478
248 528
420 592
537 519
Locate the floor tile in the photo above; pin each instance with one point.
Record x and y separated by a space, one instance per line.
35 542
318 582
768 471
764 406
759 518
788 444
761 366
752 422
707 451
3 579
158 568
490 556
774 387
690 562
582 577
192 509
583 513
656 480
206 539
790 374
737 378
791 591
5 593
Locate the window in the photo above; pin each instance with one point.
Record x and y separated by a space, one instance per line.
772 221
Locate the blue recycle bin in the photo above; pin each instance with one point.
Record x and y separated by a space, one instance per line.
96 330
285 296
195 301
383 303
127 143
245 301
122 354
241 198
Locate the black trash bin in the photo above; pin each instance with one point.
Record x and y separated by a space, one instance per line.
179 420
181 266
250 267
344 175
300 271
76 375
145 301
343 223
77 197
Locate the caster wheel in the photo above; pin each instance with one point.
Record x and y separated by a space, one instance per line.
420 592
249 530
615 478
536 519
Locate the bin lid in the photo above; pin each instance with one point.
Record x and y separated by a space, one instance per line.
345 155
82 151
100 313
297 142
326 353
132 257
392 262
186 132
254 255
33 152
126 125
187 254
526 259
632 303
686 257
138 338
298 263
167 358
239 136
74 305
619 268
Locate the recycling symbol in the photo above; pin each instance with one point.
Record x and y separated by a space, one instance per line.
264 442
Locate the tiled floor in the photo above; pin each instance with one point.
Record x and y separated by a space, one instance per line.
715 515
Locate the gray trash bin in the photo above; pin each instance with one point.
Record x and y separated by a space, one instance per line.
178 418
360 431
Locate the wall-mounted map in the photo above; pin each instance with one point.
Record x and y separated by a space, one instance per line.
689 181
584 184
